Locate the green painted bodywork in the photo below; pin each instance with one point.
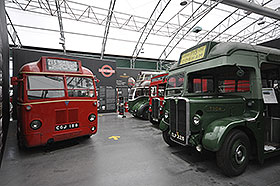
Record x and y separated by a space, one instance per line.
135 106
224 112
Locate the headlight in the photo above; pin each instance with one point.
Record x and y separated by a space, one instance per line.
93 128
196 120
91 117
35 124
28 107
166 115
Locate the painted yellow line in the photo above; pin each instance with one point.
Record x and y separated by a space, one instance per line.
55 101
115 138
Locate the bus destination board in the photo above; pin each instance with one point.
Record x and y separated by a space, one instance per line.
62 65
193 55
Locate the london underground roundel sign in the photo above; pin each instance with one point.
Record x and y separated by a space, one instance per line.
106 70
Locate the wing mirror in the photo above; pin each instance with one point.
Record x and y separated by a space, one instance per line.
14 81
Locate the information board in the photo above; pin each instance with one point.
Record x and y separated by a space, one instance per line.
269 96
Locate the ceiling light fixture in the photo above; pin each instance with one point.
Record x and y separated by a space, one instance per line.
183 3
196 29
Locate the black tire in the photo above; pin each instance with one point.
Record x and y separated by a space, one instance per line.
233 157
166 138
152 121
20 142
145 113
87 136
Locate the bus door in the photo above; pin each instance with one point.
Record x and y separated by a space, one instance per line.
270 74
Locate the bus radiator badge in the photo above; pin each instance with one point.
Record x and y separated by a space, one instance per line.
66 103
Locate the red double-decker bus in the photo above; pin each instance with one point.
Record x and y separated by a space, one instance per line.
156 97
56 101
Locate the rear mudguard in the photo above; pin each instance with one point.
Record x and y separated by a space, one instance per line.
216 132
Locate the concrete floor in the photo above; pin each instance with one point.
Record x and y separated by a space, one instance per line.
139 157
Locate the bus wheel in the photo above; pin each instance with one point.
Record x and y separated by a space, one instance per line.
166 138
145 113
152 121
87 136
20 143
233 157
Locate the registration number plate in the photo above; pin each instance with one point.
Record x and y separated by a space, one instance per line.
66 126
178 138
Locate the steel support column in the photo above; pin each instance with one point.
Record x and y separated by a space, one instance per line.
62 37
107 27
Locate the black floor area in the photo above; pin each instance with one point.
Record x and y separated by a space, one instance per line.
138 157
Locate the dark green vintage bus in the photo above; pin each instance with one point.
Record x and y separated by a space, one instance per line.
224 98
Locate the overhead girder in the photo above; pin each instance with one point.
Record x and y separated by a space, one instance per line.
252 33
251 6
62 37
12 31
148 28
107 27
197 15
96 15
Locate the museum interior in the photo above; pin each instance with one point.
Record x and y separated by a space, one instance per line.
148 93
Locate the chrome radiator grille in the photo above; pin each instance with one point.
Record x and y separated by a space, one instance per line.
155 108
179 120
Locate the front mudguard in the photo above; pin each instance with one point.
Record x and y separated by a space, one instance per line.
142 108
163 126
216 132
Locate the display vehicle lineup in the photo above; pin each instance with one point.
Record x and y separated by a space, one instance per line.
220 97
234 111
156 97
56 101
138 98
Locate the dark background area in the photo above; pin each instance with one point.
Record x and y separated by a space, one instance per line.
274 43
106 87
4 79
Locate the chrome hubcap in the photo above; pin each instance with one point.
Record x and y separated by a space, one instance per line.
240 154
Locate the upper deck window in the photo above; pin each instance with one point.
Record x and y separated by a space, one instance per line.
40 87
80 87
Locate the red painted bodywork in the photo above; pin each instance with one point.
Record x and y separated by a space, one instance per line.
157 83
54 111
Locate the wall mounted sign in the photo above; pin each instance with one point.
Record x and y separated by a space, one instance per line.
106 71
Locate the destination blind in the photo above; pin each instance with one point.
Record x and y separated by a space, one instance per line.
62 65
193 55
